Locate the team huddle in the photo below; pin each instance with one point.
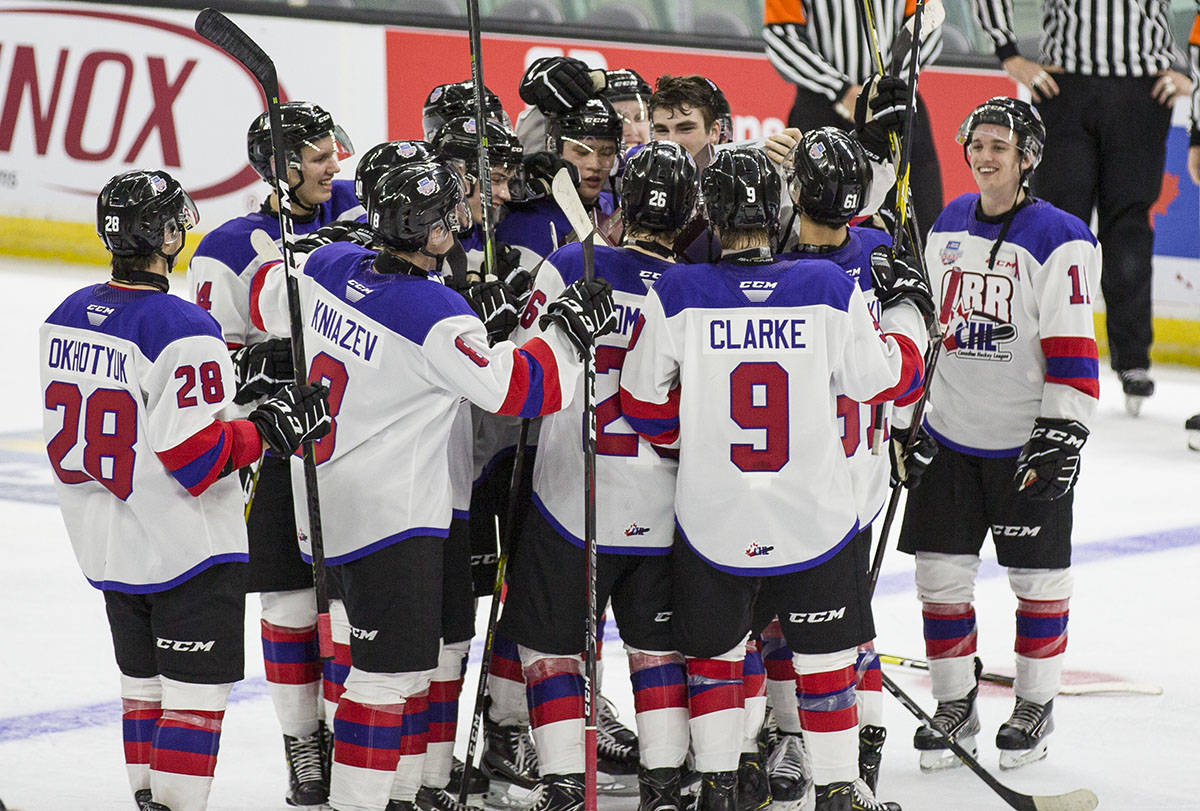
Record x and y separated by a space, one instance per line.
754 343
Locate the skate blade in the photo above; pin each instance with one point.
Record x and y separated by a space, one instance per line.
1016 758
1133 404
1194 440
609 785
937 760
510 797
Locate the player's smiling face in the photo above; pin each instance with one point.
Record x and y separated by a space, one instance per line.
594 158
995 160
684 126
318 165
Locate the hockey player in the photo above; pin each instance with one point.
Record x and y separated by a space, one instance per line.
138 388
630 97
219 277
399 349
1009 404
691 111
735 361
635 492
456 99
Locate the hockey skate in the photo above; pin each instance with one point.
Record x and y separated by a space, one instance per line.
864 799
616 745
1022 738
718 792
956 720
476 788
870 753
508 755
835 797
658 790
790 772
401 805
1192 426
559 792
754 784
1137 386
143 798
440 799
308 784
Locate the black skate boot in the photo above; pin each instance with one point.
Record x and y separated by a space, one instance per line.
864 799
1192 426
143 798
718 792
835 797
401 805
956 720
659 790
1137 386
616 745
440 799
307 783
508 755
754 785
870 753
560 792
478 785
790 770
1022 738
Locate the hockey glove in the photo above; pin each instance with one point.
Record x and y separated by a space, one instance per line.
909 466
296 415
510 271
1049 463
496 307
556 84
584 311
262 369
878 111
539 170
899 278
340 231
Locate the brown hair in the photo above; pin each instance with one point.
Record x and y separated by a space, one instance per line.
692 92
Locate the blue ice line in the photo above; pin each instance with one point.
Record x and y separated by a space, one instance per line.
22 727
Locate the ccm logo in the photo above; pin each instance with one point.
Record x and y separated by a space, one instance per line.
185 646
1001 531
800 618
360 633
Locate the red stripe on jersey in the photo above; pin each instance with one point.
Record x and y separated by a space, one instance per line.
205 441
518 384
256 286
646 418
912 371
715 698
193 447
551 391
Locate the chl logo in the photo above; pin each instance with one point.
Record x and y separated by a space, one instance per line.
977 311
1002 531
801 617
185 646
634 529
755 550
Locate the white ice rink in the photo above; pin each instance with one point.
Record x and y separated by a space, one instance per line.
1137 565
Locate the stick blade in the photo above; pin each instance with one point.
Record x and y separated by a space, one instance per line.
1079 800
226 35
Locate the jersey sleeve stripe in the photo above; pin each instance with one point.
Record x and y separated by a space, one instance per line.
658 422
912 371
533 388
199 460
256 286
1073 362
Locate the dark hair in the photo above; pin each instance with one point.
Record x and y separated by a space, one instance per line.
121 265
693 92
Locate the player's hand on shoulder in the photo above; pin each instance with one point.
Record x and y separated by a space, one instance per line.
899 278
555 84
909 464
584 312
298 414
496 307
1048 465
779 145
539 169
340 231
261 369
878 111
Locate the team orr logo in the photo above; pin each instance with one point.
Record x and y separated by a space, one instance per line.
977 311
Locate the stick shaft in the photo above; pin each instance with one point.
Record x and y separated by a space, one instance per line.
589 535
483 168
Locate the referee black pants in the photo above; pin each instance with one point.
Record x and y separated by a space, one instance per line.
1106 144
812 110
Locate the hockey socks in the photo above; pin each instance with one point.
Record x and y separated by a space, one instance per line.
868 686
141 707
184 744
828 714
335 671
293 670
754 696
554 691
506 685
781 678
660 705
716 709
444 691
1040 644
950 647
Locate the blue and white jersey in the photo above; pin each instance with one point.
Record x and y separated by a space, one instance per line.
635 482
136 386
221 270
1019 338
528 227
740 362
397 353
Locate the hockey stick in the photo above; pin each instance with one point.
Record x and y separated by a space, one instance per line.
1079 800
485 172
224 33
1090 688
567 197
589 534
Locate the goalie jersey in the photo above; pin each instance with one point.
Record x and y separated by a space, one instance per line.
740 362
397 352
1019 340
635 482
135 385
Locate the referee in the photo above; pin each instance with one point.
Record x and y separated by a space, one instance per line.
1104 83
822 47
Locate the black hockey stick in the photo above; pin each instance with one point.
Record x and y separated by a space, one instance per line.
590 550
224 33
1080 689
483 169
1079 800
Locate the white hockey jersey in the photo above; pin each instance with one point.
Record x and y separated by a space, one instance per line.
1019 339
635 482
740 362
397 352
136 384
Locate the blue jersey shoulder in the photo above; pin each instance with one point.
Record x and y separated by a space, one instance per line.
786 283
626 270
343 204
229 243
1038 227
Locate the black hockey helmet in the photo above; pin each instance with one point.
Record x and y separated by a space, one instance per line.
139 210
407 203
304 124
382 158
829 175
1019 117
658 188
595 118
722 112
741 190
447 101
624 84
458 139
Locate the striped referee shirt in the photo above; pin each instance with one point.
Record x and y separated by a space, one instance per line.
823 45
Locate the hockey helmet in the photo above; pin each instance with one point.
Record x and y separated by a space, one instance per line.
595 118
139 210
1019 117
625 84
741 190
382 158
407 203
829 175
658 188
447 101
721 111
304 124
458 139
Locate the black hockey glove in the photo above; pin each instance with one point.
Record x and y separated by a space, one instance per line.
294 416
584 311
1049 463
899 278
539 170
555 84
261 369
496 307
907 468
340 231
878 111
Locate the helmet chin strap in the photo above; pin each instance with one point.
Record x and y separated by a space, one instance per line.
156 280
